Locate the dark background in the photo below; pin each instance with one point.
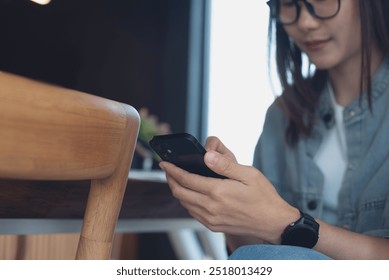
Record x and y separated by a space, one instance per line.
132 51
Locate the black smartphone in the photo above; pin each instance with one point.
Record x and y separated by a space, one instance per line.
184 151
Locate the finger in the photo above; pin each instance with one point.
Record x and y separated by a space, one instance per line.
195 209
188 180
185 195
196 203
214 144
193 201
203 215
223 165
190 200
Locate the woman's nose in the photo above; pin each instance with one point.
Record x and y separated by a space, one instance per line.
306 20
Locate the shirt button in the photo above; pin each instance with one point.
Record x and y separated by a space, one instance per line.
351 113
312 205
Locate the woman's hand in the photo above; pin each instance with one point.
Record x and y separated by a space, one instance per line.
245 204
214 144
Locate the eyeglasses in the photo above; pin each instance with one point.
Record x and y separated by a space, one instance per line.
288 11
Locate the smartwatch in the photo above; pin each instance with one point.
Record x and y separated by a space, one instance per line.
304 232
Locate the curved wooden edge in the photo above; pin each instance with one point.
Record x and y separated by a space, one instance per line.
81 131
106 197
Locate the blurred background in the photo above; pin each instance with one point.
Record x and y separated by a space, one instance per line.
199 65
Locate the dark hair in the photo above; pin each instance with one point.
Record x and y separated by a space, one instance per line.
301 94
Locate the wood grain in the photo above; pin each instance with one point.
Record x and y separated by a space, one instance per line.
53 133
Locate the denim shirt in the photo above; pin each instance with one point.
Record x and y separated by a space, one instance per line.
364 194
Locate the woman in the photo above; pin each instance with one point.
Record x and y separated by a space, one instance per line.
323 154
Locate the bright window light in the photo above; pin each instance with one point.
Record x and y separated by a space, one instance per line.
239 87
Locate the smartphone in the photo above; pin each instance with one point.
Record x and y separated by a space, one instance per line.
184 151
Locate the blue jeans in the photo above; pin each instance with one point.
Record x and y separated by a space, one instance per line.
276 252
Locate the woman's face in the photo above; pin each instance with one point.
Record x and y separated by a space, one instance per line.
331 42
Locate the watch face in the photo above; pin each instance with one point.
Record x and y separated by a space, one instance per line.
300 235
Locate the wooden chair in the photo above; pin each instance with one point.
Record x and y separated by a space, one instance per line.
51 133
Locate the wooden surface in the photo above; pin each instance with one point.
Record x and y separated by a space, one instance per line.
48 132
67 200
53 133
59 247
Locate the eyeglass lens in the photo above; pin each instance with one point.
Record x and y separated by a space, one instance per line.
288 11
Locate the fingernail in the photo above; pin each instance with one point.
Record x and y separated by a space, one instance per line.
211 158
161 166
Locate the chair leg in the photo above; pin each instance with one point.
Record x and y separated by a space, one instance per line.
107 192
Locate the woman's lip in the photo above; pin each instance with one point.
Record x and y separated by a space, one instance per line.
316 44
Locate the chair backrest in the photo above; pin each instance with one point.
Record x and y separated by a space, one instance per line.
53 133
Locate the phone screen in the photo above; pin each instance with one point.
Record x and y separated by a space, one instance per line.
184 151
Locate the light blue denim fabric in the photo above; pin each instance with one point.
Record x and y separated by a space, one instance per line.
364 195
276 252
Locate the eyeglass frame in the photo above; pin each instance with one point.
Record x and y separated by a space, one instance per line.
274 11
